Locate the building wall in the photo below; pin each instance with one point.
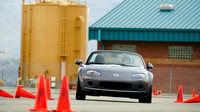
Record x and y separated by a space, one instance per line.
154 49
186 75
183 72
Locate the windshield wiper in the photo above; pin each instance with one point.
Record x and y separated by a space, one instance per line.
127 65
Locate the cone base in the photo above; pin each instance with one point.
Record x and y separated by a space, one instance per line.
50 98
178 101
40 110
63 111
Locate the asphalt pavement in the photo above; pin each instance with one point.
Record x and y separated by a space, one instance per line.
160 103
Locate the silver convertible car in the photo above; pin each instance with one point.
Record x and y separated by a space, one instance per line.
115 73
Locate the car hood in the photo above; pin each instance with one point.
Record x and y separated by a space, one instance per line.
116 68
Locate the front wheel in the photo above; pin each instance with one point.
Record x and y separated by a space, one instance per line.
147 99
80 94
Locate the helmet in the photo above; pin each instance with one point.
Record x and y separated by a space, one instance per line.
126 59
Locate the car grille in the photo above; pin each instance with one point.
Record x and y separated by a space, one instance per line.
115 85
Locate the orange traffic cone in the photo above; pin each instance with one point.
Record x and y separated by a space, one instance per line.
154 91
5 94
180 95
64 103
193 100
41 98
193 93
23 93
48 89
159 92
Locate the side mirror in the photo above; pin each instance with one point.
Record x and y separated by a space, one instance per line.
149 66
78 62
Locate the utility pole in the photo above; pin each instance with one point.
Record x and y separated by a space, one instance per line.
2 52
2 75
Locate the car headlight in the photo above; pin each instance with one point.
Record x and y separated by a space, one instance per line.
93 72
138 76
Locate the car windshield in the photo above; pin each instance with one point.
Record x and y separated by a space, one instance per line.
116 58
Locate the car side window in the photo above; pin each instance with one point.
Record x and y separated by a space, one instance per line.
93 58
137 61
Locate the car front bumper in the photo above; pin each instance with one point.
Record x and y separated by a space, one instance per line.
137 88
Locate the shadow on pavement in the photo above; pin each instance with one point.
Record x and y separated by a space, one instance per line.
110 101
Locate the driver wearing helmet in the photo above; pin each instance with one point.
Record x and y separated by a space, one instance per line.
126 60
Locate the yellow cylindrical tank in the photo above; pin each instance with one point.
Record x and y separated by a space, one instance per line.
54 34
2 83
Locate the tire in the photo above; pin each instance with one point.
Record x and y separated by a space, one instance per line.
147 99
80 94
